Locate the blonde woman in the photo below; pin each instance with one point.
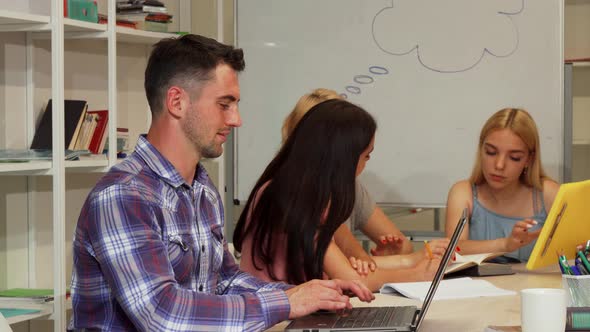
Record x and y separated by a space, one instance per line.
508 193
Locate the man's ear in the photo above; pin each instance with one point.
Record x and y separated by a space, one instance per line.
175 101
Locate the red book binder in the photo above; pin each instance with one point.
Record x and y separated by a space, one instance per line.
99 133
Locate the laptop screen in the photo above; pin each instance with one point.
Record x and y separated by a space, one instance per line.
442 267
407 318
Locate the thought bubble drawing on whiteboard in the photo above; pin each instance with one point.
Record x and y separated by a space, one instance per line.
443 37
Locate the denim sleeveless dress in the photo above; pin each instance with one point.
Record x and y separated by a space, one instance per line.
488 225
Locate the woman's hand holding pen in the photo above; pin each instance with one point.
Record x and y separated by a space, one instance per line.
521 236
437 249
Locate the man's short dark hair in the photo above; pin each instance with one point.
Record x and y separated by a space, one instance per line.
184 61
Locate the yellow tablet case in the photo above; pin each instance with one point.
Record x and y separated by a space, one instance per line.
567 225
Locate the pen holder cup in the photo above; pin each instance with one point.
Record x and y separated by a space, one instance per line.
577 290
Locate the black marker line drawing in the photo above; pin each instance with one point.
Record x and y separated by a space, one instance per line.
364 79
380 41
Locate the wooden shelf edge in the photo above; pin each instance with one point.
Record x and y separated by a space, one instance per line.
13 17
129 35
98 165
77 25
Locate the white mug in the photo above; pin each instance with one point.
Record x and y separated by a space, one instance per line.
542 310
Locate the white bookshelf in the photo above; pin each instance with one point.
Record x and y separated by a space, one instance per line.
49 56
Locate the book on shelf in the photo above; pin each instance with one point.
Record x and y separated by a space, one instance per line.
153 26
74 111
99 137
33 295
86 131
25 155
478 265
132 17
82 10
103 19
12 312
160 18
122 140
123 4
142 15
154 9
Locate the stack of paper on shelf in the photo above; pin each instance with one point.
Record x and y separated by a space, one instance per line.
151 15
122 140
24 155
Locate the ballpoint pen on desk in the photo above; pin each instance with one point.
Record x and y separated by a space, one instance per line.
428 250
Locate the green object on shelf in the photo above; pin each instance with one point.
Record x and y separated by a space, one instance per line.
11 312
33 293
83 10
26 292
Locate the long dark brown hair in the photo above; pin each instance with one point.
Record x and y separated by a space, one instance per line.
310 190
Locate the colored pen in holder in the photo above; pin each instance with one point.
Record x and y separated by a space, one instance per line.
584 260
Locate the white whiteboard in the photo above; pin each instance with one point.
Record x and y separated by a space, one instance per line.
430 71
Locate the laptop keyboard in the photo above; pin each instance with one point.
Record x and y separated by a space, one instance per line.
376 317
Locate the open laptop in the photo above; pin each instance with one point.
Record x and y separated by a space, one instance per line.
393 318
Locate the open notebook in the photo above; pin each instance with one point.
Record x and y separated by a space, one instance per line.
458 288
478 265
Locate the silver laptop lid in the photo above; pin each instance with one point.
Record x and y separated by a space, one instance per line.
441 268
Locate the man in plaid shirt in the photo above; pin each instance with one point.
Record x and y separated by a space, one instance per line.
149 248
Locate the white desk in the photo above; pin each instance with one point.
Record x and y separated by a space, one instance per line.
473 315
